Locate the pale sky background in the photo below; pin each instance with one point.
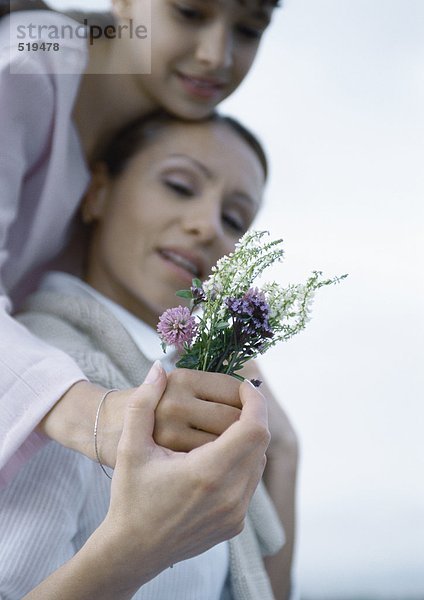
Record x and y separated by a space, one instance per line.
337 96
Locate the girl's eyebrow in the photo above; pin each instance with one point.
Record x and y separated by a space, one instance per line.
196 163
258 12
262 15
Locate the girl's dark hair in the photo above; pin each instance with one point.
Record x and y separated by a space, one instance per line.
8 6
99 19
137 134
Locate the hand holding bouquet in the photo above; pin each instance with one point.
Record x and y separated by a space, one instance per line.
229 321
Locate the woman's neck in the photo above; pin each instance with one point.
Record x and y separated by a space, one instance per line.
106 101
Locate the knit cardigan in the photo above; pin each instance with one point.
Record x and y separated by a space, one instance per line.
106 353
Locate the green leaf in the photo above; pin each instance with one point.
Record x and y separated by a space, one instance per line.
196 283
188 361
184 294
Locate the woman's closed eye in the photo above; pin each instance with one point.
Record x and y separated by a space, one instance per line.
179 187
235 221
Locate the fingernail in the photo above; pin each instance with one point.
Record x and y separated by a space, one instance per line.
154 373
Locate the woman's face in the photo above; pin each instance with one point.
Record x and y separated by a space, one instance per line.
201 50
181 203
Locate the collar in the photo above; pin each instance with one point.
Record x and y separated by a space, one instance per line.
144 336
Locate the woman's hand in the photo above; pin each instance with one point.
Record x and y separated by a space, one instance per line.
196 407
165 506
193 500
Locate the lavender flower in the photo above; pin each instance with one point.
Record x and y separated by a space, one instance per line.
177 327
251 314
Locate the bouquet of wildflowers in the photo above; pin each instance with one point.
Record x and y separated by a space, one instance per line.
237 321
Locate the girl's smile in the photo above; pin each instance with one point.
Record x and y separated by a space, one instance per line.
201 50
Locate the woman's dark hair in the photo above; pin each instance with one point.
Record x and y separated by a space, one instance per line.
137 134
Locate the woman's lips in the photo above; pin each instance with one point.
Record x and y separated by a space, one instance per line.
184 265
202 87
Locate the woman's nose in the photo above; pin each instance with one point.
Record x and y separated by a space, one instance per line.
204 223
215 47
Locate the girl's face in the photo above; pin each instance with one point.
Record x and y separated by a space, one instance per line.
181 203
201 50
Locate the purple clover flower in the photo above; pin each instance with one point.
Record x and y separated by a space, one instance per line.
177 327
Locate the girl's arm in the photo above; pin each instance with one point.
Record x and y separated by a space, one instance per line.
39 385
280 480
33 376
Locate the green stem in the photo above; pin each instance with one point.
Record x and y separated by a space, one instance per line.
239 377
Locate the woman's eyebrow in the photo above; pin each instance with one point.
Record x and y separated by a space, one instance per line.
196 163
244 196
247 199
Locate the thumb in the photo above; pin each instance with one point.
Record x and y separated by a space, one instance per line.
254 405
139 419
250 434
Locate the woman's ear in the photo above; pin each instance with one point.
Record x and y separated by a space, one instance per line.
94 200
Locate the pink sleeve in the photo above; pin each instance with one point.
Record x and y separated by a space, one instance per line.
33 375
